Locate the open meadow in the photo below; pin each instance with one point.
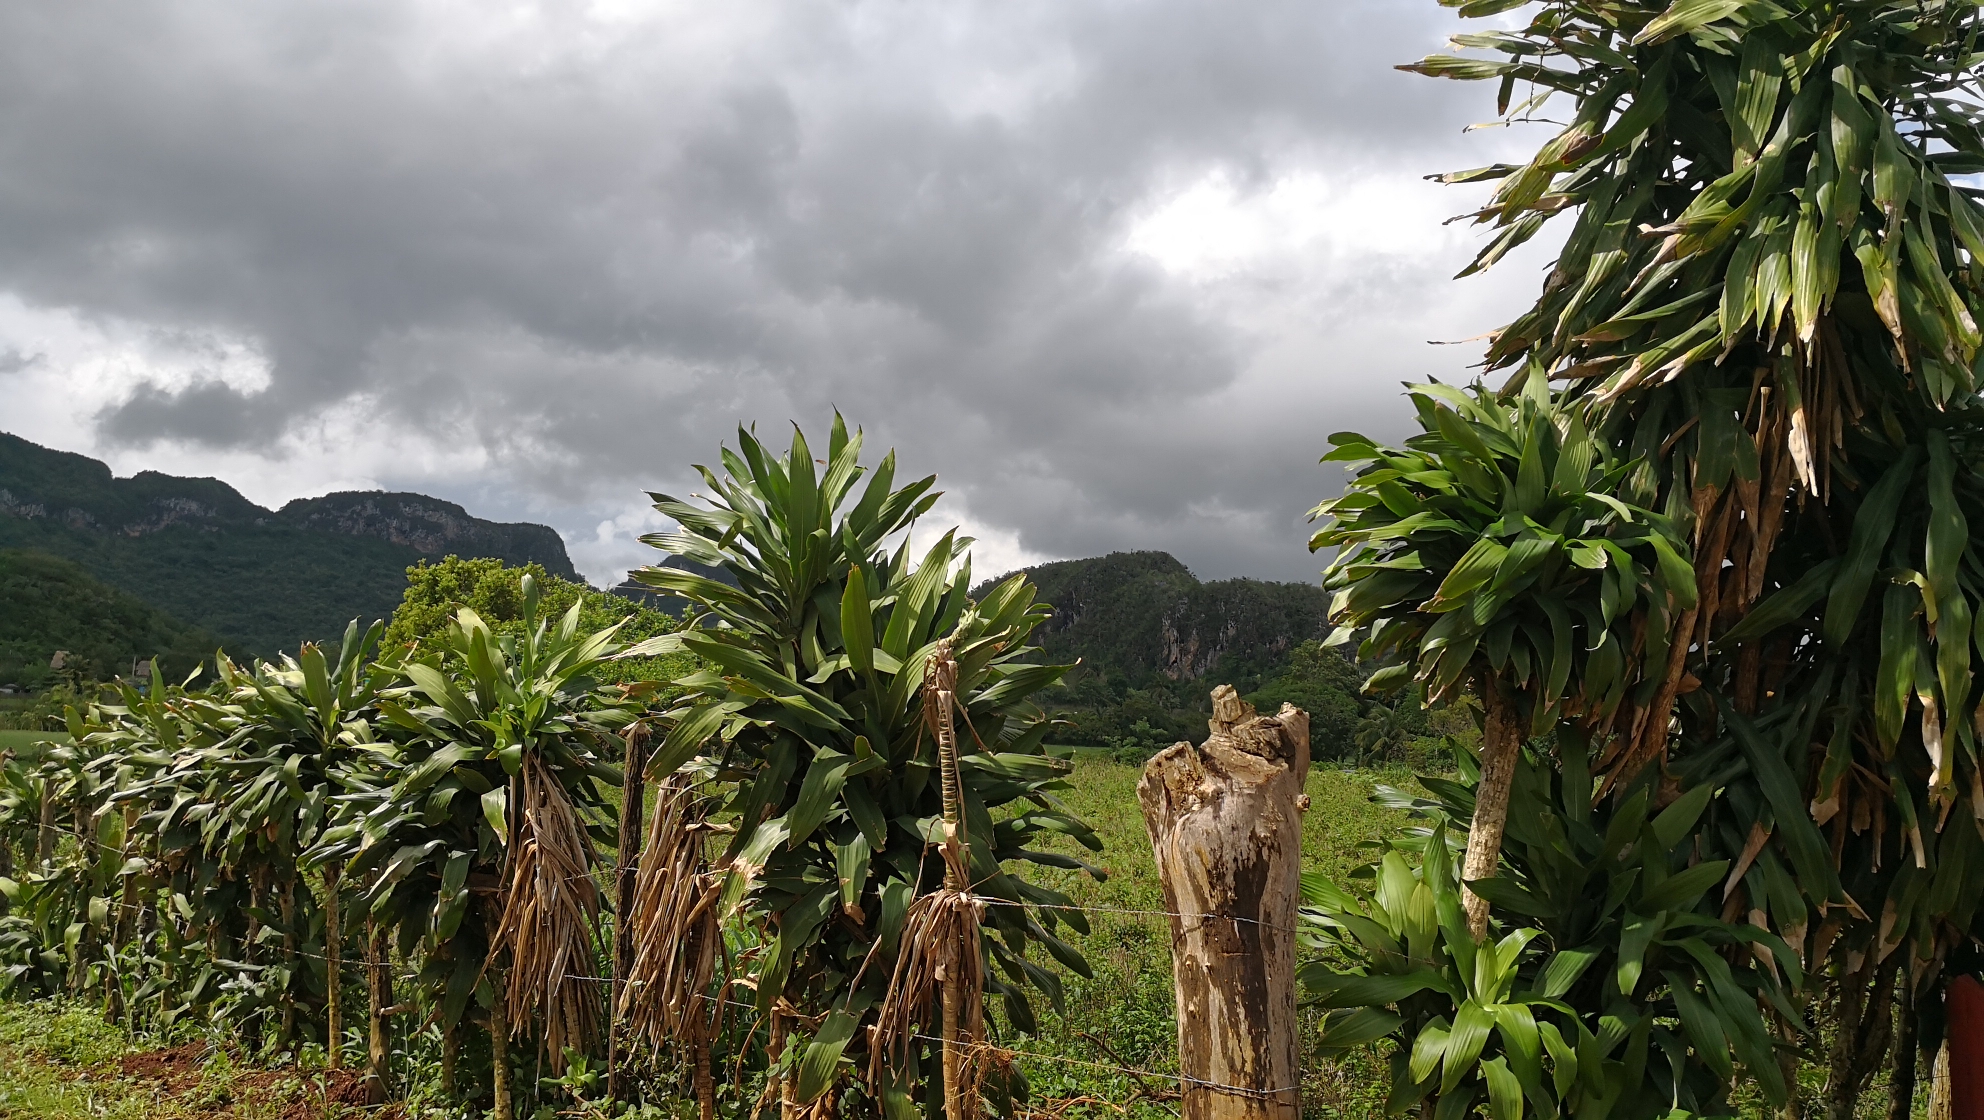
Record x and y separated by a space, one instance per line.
18 741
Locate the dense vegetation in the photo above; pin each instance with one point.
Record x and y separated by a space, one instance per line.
436 593
1715 590
52 605
262 580
63 1062
1143 617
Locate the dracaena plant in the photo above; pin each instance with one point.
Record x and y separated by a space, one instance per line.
227 786
1748 180
809 725
1769 292
1493 552
1616 997
488 780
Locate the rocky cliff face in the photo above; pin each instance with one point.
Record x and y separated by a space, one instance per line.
1144 615
261 579
431 527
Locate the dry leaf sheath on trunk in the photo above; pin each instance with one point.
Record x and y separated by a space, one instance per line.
674 921
550 919
939 951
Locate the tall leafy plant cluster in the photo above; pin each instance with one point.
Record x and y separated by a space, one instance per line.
192 852
810 723
1765 314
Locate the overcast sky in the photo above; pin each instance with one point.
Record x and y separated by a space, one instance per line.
1113 269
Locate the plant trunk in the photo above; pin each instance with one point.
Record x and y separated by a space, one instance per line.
333 968
378 997
633 792
1787 1064
1939 1084
1901 1075
251 1028
499 1049
705 1082
451 1047
775 1051
954 1103
943 677
1501 745
1865 1023
44 838
1225 827
287 1030
127 906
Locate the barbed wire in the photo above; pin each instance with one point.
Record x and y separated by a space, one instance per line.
1188 916
1180 1078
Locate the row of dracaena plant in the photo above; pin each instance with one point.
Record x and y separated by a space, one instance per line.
215 827
212 852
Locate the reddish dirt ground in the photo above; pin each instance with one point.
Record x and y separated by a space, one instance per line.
178 1068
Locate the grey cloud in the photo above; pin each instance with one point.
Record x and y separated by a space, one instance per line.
596 257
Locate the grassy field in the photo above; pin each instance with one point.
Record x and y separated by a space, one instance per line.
18 740
1123 1017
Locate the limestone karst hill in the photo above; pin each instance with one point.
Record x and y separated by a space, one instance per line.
1145 616
261 579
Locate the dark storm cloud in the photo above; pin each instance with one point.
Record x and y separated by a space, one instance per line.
592 247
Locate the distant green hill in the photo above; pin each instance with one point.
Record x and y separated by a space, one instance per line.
54 605
1143 617
261 579
1153 642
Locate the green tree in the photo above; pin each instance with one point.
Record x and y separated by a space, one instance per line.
1489 555
1321 681
436 592
1384 732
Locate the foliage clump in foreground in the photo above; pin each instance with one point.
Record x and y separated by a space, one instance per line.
1764 320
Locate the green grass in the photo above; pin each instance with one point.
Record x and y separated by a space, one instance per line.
1123 1016
16 740
60 1061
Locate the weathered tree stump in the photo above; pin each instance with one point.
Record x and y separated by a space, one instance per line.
1225 826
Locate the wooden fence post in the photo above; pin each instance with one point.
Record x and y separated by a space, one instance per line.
378 997
333 967
1226 829
1965 1041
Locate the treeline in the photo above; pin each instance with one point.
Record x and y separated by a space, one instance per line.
1103 710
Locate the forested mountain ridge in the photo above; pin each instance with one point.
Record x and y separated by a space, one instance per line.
1143 616
260 579
54 605
1153 641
